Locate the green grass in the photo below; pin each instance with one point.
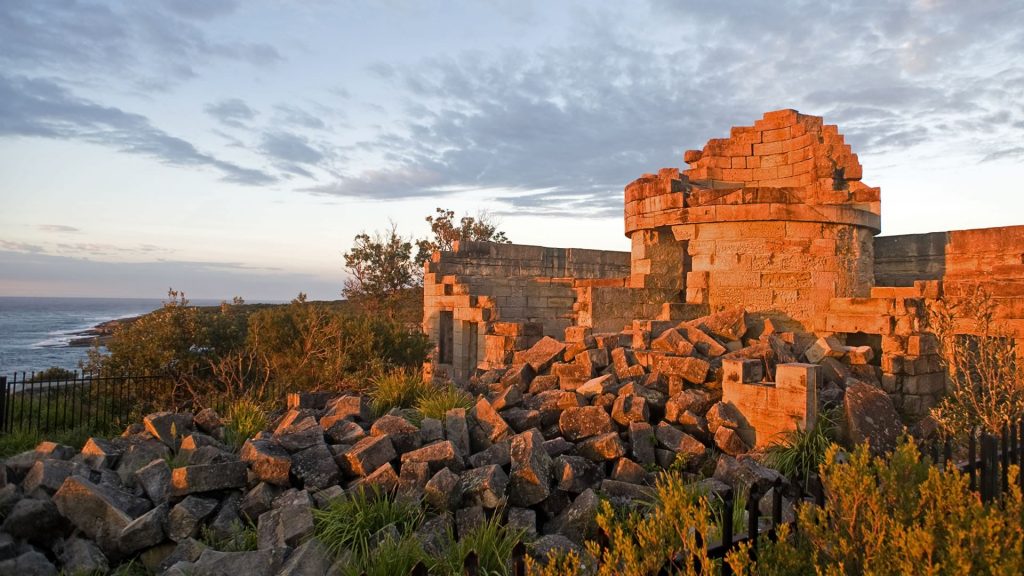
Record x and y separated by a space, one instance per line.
438 401
20 440
351 521
390 557
799 453
246 417
397 388
493 543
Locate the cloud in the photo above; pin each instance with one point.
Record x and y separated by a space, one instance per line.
130 41
21 247
569 125
62 228
49 275
289 147
36 107
232 111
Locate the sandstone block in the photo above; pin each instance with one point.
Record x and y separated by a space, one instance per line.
824 347
208 478
578 423
630 408
486 426
367 455
530 478
443 492
691 369
404 435
602 447
484 486
268 461
541 355
869 416
672 342
728 441
437 455
315 467
743 370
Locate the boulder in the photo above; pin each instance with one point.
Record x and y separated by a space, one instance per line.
869 416
48 475
168 427
298 430
484 486
32 519
728 440
602 447
530 478
723 414
343 432
383 480
642 442
674 439
578 423
672 342
252 563
510 397
437 455
689 368
208 421
486 426
541 355
347 407
258 500
575 474
626 470
315 467
184 519
267 461
443 491
577 522
98 453
521 419
742 472
98 511
728 324
80 556
30 563
312 558
155 480
404 435
456 427
630 408
145 531
367 455
208 478
500 454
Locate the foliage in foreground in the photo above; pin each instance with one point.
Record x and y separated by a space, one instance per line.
375 533
986 375
245 418
883 515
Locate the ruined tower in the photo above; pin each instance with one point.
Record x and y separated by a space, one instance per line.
774 217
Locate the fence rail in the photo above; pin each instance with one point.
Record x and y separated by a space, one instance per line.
31 404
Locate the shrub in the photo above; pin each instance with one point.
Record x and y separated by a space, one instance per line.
436 402
245 418
398 388
53 374
798 453
351 521
986 377
896 515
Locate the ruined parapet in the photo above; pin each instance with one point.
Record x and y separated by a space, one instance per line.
774 217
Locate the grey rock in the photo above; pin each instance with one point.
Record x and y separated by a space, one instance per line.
315 467
208 478
575 473
258 500
484 486
267 461
642 442
486 426
344 432
99 453
674 439
253 563
499 453
869 416
136 457
627 491
742 472
169 427
48 475
32 519
523 519
443 491
298 430
208 421
80 556
602 448
404 435
530 477
469 519
30 563
184 519
98 511
350 407
579 521
431 430
367 455
456 425
145 531
413 479
558 446
627 470
155 480
723 414
310 559
521 419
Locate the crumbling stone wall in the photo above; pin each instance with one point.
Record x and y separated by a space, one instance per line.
528 290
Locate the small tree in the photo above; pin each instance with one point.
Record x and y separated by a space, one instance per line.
986 377
446 232
380 266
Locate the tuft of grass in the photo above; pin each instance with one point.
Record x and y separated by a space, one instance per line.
20 440
246 417
351 521
438 401
799 453
493 543
390 557
242 538
397 388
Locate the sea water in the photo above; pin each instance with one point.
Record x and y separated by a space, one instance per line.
35 332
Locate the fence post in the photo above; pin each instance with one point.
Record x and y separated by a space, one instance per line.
776 504
3 404
726 528
989 467
753 518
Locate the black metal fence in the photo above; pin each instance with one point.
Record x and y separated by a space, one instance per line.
29 403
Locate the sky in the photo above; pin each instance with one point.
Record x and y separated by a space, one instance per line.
229 148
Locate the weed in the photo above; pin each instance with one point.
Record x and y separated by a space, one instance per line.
397 388
351 521
241 537
435 403
493 543
246 417
799 453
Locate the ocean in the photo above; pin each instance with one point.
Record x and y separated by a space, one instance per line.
35 332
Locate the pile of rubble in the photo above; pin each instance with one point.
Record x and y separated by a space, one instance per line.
565 424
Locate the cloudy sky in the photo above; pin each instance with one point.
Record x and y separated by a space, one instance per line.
235 148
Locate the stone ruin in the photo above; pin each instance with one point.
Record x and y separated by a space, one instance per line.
755 274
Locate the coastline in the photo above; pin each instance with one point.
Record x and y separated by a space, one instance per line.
100 333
